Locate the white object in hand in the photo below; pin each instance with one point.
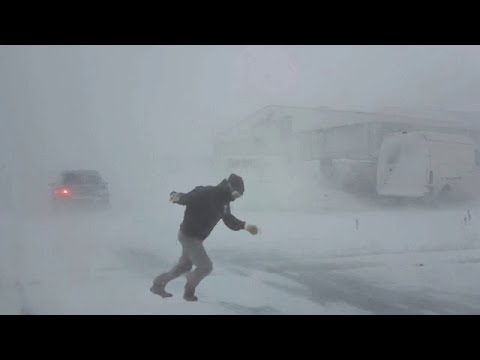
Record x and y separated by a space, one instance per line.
174 197
252 229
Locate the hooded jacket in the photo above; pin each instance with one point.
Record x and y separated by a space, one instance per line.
207 205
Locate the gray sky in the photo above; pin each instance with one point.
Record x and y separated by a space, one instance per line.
172 88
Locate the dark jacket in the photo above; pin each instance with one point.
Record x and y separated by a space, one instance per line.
205 207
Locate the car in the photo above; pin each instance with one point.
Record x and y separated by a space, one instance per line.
80 189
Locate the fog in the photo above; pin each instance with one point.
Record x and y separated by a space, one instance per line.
147 118
136 111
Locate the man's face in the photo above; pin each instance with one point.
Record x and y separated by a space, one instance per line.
236 195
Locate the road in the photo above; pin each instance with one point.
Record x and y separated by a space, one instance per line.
103 263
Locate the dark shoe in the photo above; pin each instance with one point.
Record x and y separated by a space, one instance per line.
160 290
190 298
189 294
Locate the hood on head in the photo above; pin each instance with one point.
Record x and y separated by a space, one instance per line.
234 185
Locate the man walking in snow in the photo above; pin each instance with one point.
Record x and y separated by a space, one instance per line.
205 207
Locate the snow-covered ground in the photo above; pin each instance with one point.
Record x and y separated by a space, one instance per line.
398 261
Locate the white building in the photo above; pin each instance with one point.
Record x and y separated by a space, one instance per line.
341 142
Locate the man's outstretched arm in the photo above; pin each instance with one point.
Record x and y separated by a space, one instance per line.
182 198
235 224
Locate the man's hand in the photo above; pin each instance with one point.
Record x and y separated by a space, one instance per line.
252 229
174 197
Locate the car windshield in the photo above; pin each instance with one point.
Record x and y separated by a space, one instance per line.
81 179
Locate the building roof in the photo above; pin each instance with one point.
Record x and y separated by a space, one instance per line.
321 118
304 119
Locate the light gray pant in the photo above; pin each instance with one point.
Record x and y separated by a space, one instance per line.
193 253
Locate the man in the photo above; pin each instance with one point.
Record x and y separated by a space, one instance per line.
205 207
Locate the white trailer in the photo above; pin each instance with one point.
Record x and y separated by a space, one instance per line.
425 164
